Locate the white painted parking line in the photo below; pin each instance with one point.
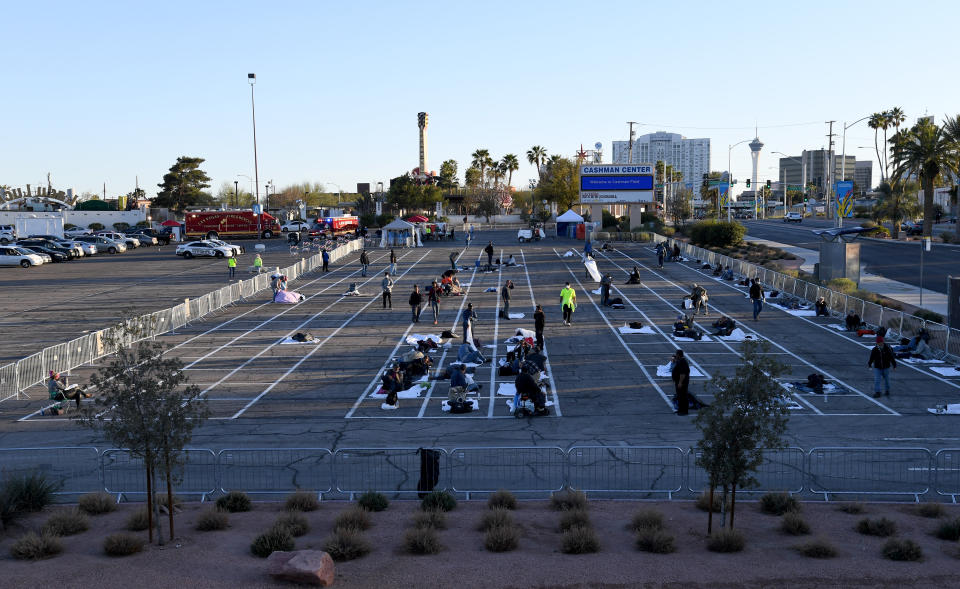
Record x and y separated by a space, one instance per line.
496 340
553 384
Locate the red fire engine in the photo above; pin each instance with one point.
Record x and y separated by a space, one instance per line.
216 224
333 226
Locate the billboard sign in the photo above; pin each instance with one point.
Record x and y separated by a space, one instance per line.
844 192
615 183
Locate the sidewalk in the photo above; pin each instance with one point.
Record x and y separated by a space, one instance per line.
892 289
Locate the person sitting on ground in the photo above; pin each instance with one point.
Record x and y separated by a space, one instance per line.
528 389
511 261
727 274
676 253
458 384
392 380
853 321
634 276
821 306
537 358
682 323
724 325
718 270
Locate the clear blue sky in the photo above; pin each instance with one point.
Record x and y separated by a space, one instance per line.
106 91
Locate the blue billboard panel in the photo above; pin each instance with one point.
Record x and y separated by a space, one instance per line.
616 182
845 201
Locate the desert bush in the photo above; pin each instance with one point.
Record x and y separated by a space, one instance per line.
95 226
574 518
433 518
373 501
493 518
655 540
668 231
726 540
501 538
69 226
568 499
948 237
816 549
503 499
346 544
877 527
844 285
356 518
422 541
902 549
294 522
851 508
96 503
302 501
579 540
234 502
713 233
931 510
274 539
948 530
161 500
927 315
703 502
794 524
778 503
646 519
122 544
34 546
66 523
442 500
25 494
212 520
138 520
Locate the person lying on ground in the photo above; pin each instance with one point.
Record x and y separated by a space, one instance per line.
724 325
468 353
511 261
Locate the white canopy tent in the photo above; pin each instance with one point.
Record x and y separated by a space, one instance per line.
399 233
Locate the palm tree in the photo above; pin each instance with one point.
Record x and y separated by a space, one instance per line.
511 164
887 122
481 159
897 117
875 123
924 150
537 156
951 128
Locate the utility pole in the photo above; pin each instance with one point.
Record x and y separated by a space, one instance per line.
828 173
630 143
236 193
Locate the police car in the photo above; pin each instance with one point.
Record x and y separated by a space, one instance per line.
204 249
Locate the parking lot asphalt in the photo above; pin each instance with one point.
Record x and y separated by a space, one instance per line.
606 389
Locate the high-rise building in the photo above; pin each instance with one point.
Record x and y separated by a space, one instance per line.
812 164
691 157
863 176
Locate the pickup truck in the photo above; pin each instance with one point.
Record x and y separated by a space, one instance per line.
793 218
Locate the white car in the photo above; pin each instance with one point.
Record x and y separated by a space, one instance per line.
11 255
793 218
76 232
78 248
204 249
237 249
131 242
8 233
295 226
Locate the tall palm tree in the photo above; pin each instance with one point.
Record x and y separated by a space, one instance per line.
927 152
951 129
897 117
875 123
511 164
481 159
537 156
886 124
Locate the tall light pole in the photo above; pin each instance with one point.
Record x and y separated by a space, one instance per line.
730 178
252 78
236 193
269 187
843 160
630 142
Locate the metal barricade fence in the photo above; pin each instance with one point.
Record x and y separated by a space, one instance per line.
8 382
123 473
781 471
869 471
30 371
275 470
947 472
872 314
75 470
532 469
388 470
626 469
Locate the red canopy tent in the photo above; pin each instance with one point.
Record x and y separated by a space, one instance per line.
417 219
170 224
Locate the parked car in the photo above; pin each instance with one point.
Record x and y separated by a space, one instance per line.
76 232
47 246
80 248
912 227
48 254
130 242
237 249
295 226
11 255
203 249
145 235
793 217
104 244
8 233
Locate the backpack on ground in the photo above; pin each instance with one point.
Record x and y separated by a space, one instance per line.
302 337
461 407
636 325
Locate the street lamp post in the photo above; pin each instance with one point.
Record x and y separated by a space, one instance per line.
730 179
236 193
843 161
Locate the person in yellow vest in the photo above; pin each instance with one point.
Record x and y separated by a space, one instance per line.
232 265
257 264
568 300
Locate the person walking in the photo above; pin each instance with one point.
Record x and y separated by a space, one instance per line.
568 302
660 253
681 382
326 260
453 259
489 251
257 264
539 320
882 360
232 266
588 250
469 317
393 263
433 297
505 297
364 262
756 295
698 295
387 285
416 303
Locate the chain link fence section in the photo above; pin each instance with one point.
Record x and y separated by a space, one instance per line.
533 469
275 470
782 470
869 471
626 469
76 470
124 474
389 470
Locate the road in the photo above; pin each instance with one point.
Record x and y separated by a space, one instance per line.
894 260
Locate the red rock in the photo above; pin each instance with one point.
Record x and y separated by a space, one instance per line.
311 567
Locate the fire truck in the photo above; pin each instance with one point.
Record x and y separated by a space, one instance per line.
333 226
217 224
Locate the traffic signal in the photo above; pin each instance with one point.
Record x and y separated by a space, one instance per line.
805 199
748 182
768 184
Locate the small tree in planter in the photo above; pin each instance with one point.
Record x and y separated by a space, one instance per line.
747 416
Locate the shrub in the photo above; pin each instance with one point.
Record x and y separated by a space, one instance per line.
716 233
26 493
851 508
493 518
778 503
816 549
372 501
579 540
121 226
668 231
212 520
69 226
96 503
726 540
608 219
66 523
928 315
703 502
503 499
844 285
294 522
647 519
356 518
655 540
433 518
422 541
882 527
931 510
272 540
95 226
234 502
794 524
902 549
138 520
443 500
143 224
161 499
122 544
949 530
574 518
34 546
880 232
346 544
502 538
302 501
568 499
948 237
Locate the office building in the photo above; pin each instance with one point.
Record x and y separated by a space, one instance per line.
863 176
688 156
812 166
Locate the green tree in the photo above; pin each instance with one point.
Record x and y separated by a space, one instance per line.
473 177
184 185
487 204
230 195
537 157
680 206
448 175
924 150
748 415
897 202
951 128
511 164
560 183
406 194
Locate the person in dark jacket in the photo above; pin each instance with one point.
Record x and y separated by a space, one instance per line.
756 295
539 320
882 360
325 256
469 316
489 251
393 263
416 303
364 262
821 306
433 297
505 297
453 259
681 382
605 284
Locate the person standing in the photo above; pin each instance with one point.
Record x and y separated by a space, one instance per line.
453 259
393 263
681 382
660 253
568 301
469 316
258 264
416 303
756 295
539 320
676 252
699 297
326 260
605 284
433 297
364 262
232 266
588 250
882 360
505 297
489 251
387 285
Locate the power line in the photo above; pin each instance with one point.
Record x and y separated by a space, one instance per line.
666 126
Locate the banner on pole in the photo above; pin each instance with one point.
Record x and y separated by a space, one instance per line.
844 192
